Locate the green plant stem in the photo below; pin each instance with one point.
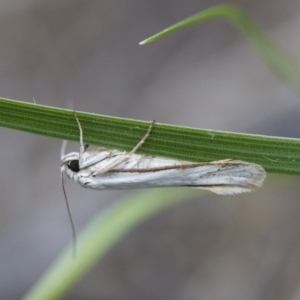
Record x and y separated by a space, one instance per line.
280 155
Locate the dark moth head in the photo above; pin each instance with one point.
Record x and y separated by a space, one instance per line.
74 165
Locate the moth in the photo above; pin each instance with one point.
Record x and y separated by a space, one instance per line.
104 168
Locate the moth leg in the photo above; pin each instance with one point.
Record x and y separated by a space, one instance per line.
82 146
126 156
142 141
63 149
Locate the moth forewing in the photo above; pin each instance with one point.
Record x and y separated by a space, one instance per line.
221 177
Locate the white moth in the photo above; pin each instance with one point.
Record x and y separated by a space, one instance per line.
104 168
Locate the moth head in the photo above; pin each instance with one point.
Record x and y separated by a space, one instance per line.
70 161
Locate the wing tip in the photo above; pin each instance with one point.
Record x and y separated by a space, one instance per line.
247 185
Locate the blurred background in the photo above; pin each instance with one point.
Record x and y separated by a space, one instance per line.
85 55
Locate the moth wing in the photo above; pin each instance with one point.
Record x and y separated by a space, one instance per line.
93 157
240 177
227 190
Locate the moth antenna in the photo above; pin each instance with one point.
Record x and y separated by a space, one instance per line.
74 238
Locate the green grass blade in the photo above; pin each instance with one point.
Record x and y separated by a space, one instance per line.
280 63
101 235
280 155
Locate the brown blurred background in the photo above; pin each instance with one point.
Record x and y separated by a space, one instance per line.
86 54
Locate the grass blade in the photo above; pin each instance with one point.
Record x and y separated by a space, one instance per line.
101 235
280 155
281 64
